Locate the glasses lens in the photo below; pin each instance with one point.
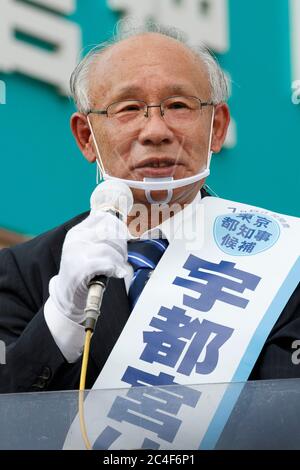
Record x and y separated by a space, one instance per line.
127 110
177 111
180 110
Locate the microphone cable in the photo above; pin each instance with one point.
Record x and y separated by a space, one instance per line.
86 351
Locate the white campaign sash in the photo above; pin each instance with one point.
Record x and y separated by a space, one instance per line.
202 318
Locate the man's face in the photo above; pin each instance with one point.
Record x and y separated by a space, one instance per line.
150 68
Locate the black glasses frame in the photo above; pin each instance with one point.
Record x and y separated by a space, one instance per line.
147 106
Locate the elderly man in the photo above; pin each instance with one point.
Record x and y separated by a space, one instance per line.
151 111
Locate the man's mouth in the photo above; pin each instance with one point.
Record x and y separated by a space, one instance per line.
156 167
159 164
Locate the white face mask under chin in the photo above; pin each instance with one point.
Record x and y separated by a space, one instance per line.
155 184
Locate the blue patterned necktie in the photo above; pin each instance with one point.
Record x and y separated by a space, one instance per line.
143 255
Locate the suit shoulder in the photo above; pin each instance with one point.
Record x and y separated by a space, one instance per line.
45 246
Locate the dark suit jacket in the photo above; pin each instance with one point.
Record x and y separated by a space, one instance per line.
34 362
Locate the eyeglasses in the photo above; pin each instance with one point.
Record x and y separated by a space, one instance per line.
176 110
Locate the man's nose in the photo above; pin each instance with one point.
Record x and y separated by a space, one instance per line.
154 129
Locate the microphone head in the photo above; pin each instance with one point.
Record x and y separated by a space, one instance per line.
114 195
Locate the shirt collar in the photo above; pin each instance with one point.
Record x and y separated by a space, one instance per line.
168 228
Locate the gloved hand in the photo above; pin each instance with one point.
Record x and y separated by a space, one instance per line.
98 245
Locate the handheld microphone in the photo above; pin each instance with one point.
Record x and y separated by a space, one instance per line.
116 198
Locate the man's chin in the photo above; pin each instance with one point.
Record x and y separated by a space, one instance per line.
157 196
183 195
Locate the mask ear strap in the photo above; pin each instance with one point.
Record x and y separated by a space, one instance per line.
100 167
210 190
210 152
99 178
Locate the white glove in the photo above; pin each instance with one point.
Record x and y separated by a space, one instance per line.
98 245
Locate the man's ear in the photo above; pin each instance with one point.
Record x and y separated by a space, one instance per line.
221 123
83 137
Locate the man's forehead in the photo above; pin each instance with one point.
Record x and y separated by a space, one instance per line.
135 89
147 43
153 47
125 59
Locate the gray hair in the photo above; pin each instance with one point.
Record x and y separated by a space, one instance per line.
79 81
